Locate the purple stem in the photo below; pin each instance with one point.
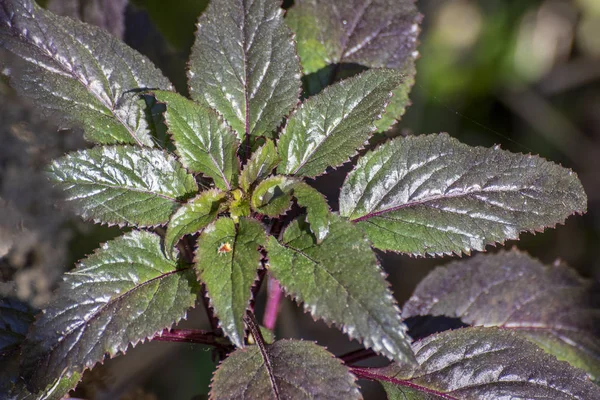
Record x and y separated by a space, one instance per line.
273 299
190 336
357 355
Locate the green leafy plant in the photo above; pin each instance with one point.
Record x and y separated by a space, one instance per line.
227 205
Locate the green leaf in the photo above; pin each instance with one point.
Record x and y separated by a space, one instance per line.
227 262
434 195
80 71
340 282
204 142
328 128
244 65
123 184
193 216
373 33
318 214
550 305
482 363
400 101
260 165
273 196
123 294
287 369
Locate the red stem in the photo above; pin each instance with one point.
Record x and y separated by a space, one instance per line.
191 336
273 299
357 355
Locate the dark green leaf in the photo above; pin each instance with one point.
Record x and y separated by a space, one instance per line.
124 293
317 210
204 142
272 196
480 364
373 33
434 195
328 128
400 101
287 369
551 305
227 261
123 184
79 70
107 14
244 64
340 282
193 216
260 165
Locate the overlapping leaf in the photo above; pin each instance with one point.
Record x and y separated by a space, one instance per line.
340 282
193 216
433 195
480 364
204 142
550 305
123 184
260 165
373 33
287 369
227 262
124 293
80 71
244 65
328 128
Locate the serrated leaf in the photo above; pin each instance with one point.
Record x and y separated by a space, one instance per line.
193 216
400 100
204 142
227 262
328 128
341 282
260 165
480 364
273 196
287 369
431 194
317 210
123 184
123 294
373 33
551 305
80 71
244 65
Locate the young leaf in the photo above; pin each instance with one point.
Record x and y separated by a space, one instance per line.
244 65
193 216
373 33
317 210
550 305
80 71
204 142
482 363
124 293
123 184
434 195
260 165
328 128
340 282
286 369
227 262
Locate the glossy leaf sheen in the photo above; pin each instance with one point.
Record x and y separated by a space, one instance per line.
373 33
227 262
260 165
551 305
434 195
328 128
485 364
124 293
317 210
340 282
80 71
123 184
204 142
244 65
193 216
290 370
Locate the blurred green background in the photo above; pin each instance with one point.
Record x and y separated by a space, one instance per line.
522 74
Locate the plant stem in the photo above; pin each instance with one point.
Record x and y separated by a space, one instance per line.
254 329
192 336
357 355
274 296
